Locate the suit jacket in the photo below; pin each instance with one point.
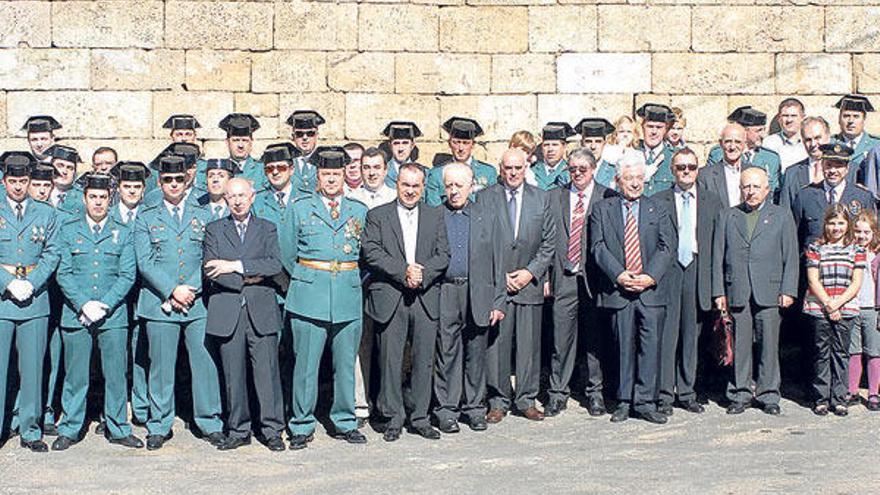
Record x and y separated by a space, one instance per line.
796 178
657 243
764 158
260 257
533 248
708 208
713 179
560 207
384 257
811 202
762 266
486 282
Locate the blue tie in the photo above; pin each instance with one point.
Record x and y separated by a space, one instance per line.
686 232
511 211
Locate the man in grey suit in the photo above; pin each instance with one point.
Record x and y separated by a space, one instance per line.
694 210
241 256
722 178
573 282
472 299
754 274
633 240
406 253
528 237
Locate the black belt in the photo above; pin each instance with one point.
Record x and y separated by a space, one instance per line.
455 280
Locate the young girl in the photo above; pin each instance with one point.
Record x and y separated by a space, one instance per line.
865 337
834 273
675 136
526 141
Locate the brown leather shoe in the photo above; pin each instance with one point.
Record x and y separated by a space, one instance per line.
495 416
533 414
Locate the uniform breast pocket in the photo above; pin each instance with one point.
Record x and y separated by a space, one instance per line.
113 252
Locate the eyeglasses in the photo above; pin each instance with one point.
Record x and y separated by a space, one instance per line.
301 134
271 169
168 179
579 169
691 167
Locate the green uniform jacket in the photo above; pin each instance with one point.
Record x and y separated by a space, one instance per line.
252 170
169 254
662 178
305 181
605 173
95 269
485 175
25 243
763 158
559 176
312 234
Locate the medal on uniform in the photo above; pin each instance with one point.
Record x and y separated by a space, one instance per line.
115 236
2 223
854 207
346 248
334 214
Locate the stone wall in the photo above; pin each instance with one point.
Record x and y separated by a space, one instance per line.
112 71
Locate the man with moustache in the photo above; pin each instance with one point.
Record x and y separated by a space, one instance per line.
304 126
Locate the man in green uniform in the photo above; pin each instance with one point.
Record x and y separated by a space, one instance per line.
42 182
754 155
594 132
552 170
656 121
402 144
182 128
320 249
218 171
41 135
240 129
168 245
96 272
852 117
462 133
66 195
304 134
272 202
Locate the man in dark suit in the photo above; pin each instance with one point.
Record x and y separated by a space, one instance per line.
754 274
722 177
241 256
528 237
573 286
688 282
472 299
814 133
632 239
406 252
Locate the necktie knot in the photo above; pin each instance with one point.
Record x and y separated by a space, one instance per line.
19 211
280 197
129 216
217 210
96 229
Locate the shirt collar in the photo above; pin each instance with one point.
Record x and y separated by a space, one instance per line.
244 222
790 141
13 203
518 190
692 191
92 223
406 210
587 190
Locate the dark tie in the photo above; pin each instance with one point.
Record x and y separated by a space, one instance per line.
61 197
280 196
96 229
176 212
832 197
631 247
511 211
242 229
217 210
19 211
577 227
650 157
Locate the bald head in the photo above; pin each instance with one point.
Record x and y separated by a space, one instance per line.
754 186
513 167
732 142
458 182
239 197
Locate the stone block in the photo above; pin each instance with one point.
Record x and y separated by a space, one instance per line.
303 25
852 29
603 72
219 70
524 73
230 25
642 28
562 29
134 69
398 28
572 108
209 107
443 73
107 24
813 73
94 114
757 29
867 73
50 68
484 29
261 105
367 114
331 106
500 116
281 70
369 72
24 24
696 73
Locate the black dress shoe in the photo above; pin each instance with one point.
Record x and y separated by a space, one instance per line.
478 423
448 425
391 434
693 406
100 428
352 436
155 442
655 417
840 410
299 442
427 432
736 408
232 443
50 430
35 446
62 443
596 405
772 409
554 407
620 414
130 441
275 444
216 439
665 409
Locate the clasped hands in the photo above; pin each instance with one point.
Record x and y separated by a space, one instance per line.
635 282
182 298
518 279
20 290
92 312
413 277
831 307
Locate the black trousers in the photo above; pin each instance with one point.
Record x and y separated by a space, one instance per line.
575 326
410 322
831 346
681 331
460 365
261 351
521 324
637 330
756 328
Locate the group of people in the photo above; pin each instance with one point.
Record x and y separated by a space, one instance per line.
431 286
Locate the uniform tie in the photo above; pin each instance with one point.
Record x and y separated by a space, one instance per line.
280 196
631 247
176 212
19 211
686 232
217 210
96 229
577 227
129 216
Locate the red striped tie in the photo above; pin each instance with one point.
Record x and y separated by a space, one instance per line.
631 248
577 226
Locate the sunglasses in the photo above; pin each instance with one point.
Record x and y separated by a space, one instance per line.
579 169
168 179
270 169
691 167
301 134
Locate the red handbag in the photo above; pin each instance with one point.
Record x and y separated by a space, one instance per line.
722 338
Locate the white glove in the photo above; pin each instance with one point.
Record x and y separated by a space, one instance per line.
94 310
84 320
166 307
18 289
29 287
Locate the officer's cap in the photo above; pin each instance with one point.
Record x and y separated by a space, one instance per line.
280 152
239 124
857 103
61 152
836 152
172 164
655 112
221 164
41 123
130 171
42 172
462 128
24 154
594 127
95 180
399 129
330 157
181 121
16 164
559 131
747 116
305 119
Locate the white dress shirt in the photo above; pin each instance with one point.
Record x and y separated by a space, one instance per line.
731 177
519 201
13 204
170 207
372 199
92 224
791 150
409 225
55 196
123 212
679 205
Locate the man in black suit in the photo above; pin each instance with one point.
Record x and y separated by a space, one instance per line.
241 257
814 133
632 239
406 252
528 237
572 278
688 282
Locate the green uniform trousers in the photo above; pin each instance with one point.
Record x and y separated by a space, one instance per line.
30 342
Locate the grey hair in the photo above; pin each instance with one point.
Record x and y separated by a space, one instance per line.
631 159
582 154
457 167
